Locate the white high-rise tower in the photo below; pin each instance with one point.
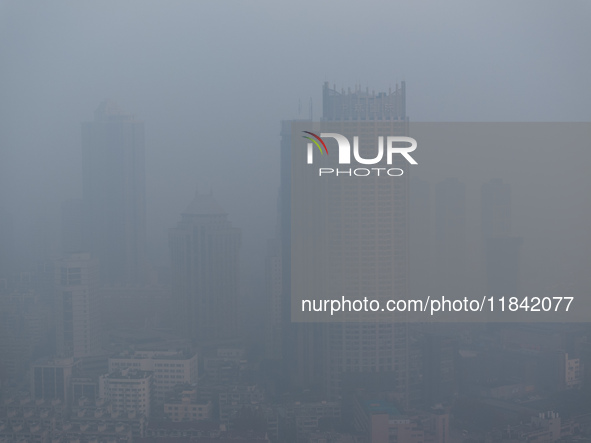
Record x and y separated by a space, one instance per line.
354 236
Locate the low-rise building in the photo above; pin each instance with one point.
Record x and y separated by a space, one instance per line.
170 368
128 390
185 405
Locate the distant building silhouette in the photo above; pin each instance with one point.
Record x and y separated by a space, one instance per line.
450 238
502 251
78 326
496 209
204 248
420 237
51 379
74 236
24 327
341 357
273 287
372 356
115 194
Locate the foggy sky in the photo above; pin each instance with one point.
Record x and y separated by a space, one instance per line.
212 80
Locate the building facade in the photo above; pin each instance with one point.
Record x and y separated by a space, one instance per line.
169 368
51 379
367 234
78 326
114 194
128 391
502 250
204 248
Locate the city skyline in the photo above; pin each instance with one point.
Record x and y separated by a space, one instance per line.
177 263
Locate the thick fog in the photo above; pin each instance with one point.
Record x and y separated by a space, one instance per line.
172 276
213 80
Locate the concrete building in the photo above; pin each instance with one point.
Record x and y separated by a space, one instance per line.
496 208
98 416
381 422
78 325
450 238
24 327
438 368
420 238
128 390
27 420
572 371
545 427
169 368
84 388
226 367
51 379
273 287
502 250
114 193
233 399
74 225
307 418
371 220
204 248
185 405
376 230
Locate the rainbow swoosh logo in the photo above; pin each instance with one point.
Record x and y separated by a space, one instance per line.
316 142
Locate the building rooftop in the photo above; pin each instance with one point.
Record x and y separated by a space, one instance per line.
109 110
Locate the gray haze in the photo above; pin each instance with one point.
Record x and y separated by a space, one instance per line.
212 80
159 295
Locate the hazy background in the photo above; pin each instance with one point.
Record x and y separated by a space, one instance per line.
191 70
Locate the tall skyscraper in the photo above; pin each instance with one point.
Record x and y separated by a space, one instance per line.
78 325
273 291
73 226
353 354
420 238
501 250
204 248
114 193
496 209
450 238
273 328
24 326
